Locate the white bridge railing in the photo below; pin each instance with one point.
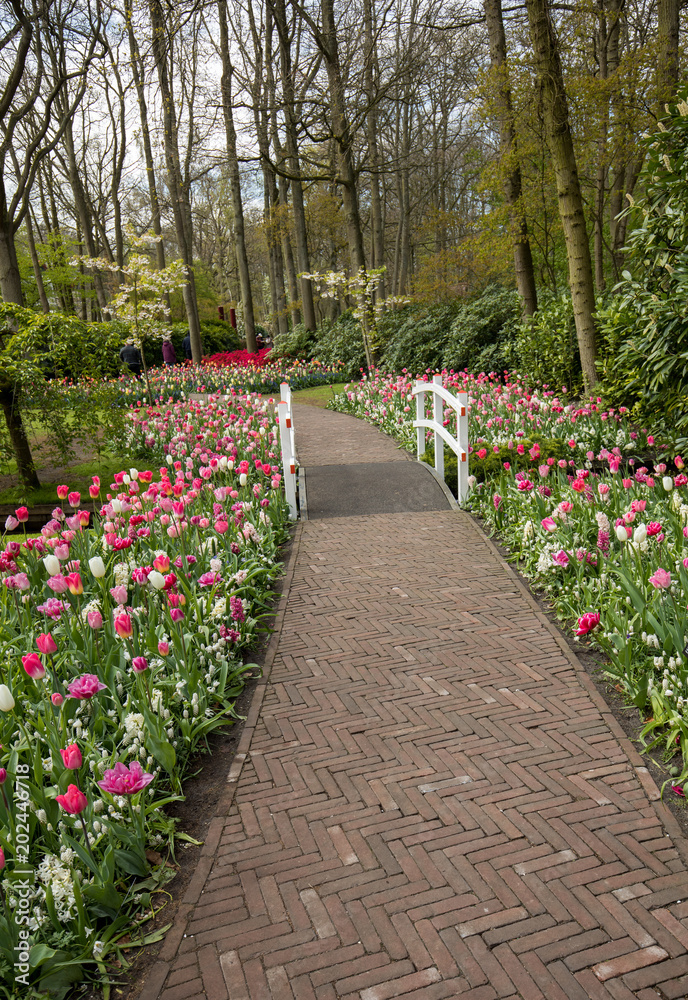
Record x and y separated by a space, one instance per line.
458 444
286 428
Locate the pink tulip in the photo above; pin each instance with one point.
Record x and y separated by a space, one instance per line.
161 563
176 614
3 775
74 583
123 780
123 626
588 622
661 579
11 523
57 699
22 515
560 558
58 583
33 666
120 594
74 499
85 687
139 664
94 619
71 757
163 648
46 643
654 528
62 492
548 523
2 859
73 801
94 491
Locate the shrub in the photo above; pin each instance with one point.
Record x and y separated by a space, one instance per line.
342 342
298 343
545 348
482 332
414 337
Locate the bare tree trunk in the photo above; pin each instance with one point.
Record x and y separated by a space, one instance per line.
668 55
292 159
571 213
180 196
342 133
377 244
235 182
523 258
35 263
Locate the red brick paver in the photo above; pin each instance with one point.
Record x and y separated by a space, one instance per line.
435 801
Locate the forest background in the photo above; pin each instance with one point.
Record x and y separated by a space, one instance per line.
505 172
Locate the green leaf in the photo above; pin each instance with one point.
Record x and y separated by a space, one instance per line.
131 863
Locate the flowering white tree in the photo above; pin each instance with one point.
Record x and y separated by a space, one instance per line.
141 300
361 288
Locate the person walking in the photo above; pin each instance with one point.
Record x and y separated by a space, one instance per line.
130 355
186 347
168 353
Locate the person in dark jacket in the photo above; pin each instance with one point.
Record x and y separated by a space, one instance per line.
186 347
130 355
168 353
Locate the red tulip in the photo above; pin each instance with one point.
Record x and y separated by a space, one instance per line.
71 757
33 666
46 643
73 801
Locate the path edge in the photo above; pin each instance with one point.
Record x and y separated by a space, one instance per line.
157 975
642 773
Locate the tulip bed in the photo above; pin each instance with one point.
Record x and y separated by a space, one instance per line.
122 649
602 532
180 381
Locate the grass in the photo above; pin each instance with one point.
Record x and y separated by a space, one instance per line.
319 395
77 477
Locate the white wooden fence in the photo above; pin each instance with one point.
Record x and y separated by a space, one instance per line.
286 428
458 444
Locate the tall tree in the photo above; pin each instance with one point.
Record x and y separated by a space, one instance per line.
523 258
560 142
235 180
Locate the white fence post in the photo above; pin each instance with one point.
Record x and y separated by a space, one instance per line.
438 417
420 415
458 444
286 427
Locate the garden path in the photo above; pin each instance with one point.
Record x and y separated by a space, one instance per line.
430 799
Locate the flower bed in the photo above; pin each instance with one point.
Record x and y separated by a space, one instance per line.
180 381
599 526
121 651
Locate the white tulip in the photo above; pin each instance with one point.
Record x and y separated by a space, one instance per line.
156 580
134 473
97 567
640 534
621 533
6 699
52 564
169 459
116 506
243 479
668 483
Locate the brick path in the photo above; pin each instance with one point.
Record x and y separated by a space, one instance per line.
430 799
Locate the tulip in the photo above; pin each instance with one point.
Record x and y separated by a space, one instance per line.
163 648
74 499
621 533
94 619
52 564
97 567
139 664
156 580
123 626
46 643
243 479
94 491
123 780
57 699
85 687
75 584
11 523
3 775
62 492
588 622
33 666
119 594
667 483
661 579
6 699
71 757
2 859
548 523
22 514
161 563
640 534
73 801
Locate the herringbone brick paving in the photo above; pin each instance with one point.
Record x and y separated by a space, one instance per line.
435 802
